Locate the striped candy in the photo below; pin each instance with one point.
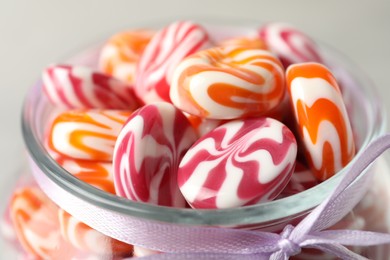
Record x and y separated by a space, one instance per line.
161 56
203 125
289 44
34 217
228 83
240 163
244 42
89 240
80 87
322 120
97 174
87 134
120 55
147 154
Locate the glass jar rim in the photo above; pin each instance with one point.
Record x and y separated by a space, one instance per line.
259 213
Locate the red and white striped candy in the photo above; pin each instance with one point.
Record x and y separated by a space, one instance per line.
322 120
147 154
228 83
87 134
161 56
89 240
98 174
289 44
80 87
242 162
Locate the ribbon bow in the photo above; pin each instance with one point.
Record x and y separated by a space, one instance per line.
187 242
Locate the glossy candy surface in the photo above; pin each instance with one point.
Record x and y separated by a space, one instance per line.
80 87
289 44
240 163
322 120
87 134
120 55
161 56
228 83
147 154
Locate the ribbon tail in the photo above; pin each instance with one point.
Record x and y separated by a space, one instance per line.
279 255
349 237
340 251
204 256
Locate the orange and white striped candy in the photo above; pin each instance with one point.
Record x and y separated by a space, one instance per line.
89 240
95 173
34 217
87 134
120 55
228 83
244 42
322 120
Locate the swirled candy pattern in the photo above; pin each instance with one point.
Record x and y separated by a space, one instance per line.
240 163
161 56
322 119
81 87
289 44
89 240
120 55
228 83
87 134
147 154
95 173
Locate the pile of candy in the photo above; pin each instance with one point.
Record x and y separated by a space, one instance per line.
175 118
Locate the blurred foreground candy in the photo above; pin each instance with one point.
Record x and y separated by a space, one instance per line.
87 134
244 42
322 120
161 56
120 55
242 162
80 87
289 44
228 83
147 154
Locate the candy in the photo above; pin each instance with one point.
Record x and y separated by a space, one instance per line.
87 239
120 55
141 251
147 155
203 125
240 163
97 174
245 42
34 218
80 87
289 44
87 134
322 120
161 56
228 83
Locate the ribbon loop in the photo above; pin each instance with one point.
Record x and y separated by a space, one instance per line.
286 245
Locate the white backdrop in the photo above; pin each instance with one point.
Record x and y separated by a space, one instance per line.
36 33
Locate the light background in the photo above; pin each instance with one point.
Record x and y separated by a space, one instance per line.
34 34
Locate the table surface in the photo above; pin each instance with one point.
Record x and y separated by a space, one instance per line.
37 33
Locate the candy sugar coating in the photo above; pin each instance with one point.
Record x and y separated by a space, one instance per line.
322 120
89 240
87 134
242 162
147 154
289 44
81 87
228 83
120 55
161 56
95 173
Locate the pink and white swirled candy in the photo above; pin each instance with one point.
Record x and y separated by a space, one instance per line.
289 44
240 163
80 87
147 154
161 56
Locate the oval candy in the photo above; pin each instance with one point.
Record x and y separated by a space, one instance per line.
321 118
228 83
147 154
240 163
81 87
161 56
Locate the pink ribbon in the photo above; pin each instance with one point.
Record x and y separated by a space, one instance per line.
196 242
